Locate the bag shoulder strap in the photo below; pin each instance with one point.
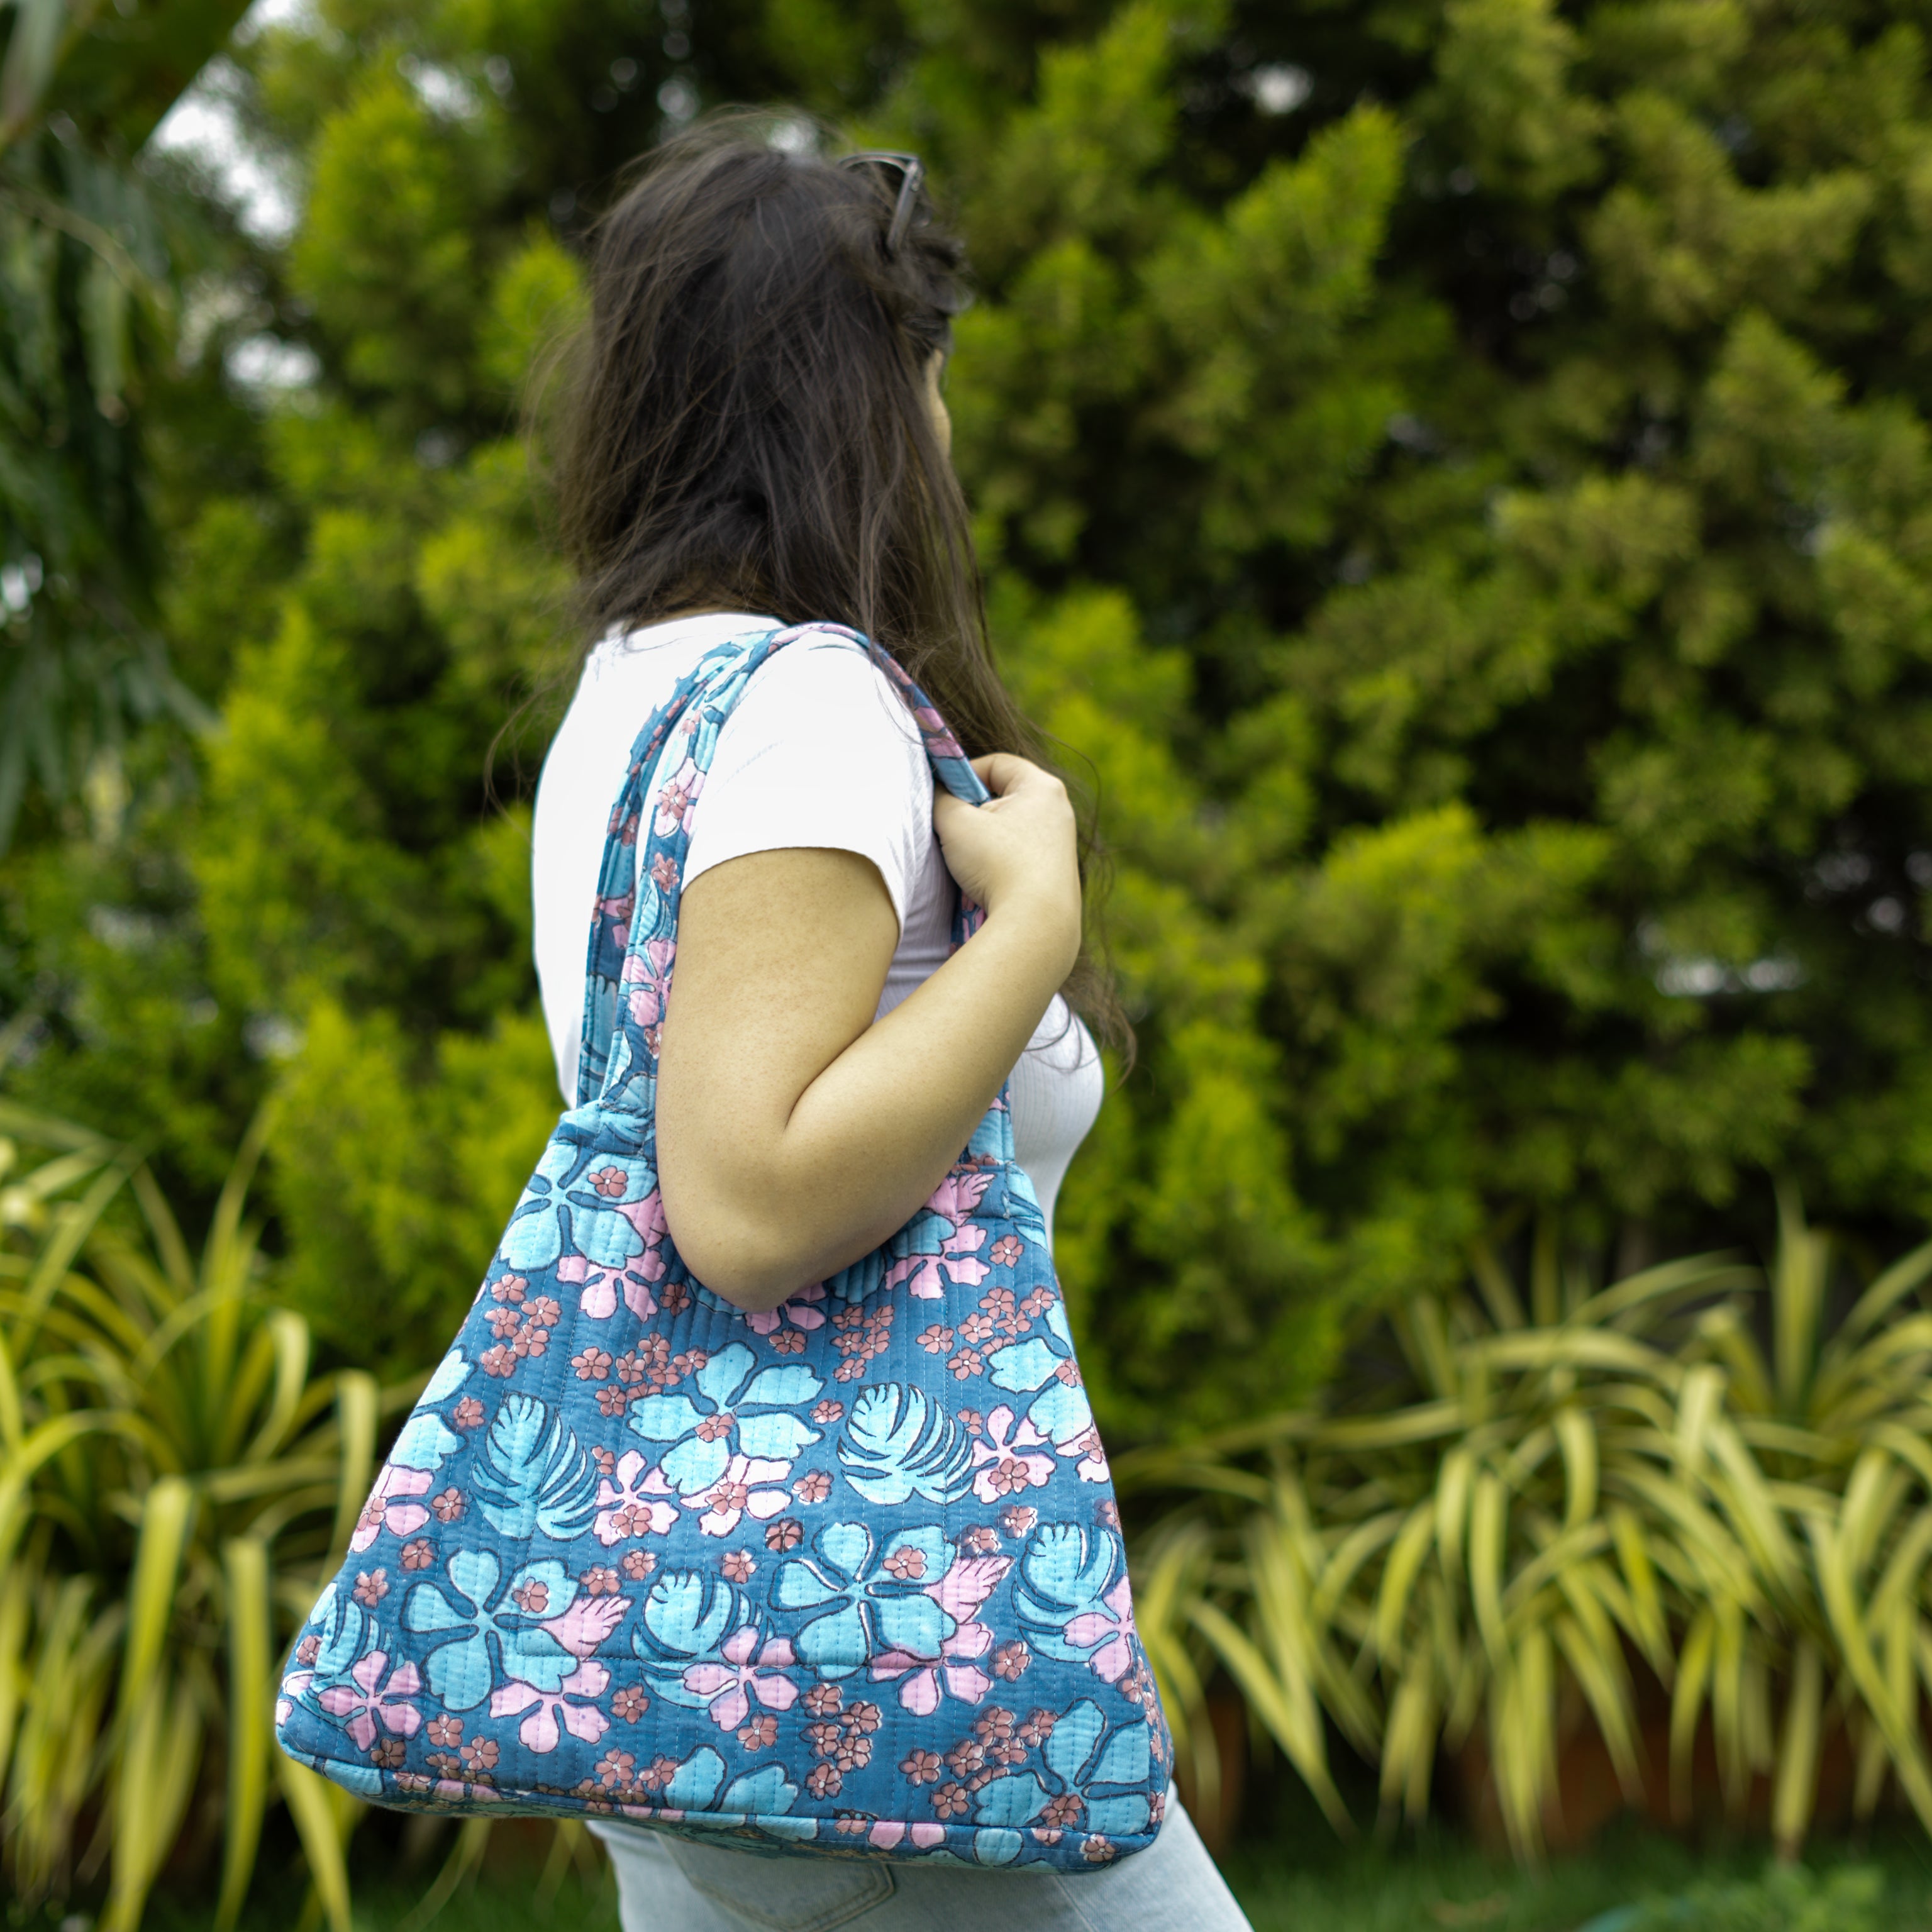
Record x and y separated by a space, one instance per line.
633 927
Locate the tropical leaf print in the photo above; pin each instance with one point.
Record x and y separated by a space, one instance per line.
899 1443
533 1475
1067 1594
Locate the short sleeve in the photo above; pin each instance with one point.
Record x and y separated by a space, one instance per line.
820 751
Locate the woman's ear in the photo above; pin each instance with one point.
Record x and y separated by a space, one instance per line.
942 419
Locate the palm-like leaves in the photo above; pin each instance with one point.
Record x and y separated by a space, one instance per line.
172 1479
1626 1475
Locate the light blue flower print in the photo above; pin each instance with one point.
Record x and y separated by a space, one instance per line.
869 1599
1088 1786
742 1410
485 1634
562 1214
763 1796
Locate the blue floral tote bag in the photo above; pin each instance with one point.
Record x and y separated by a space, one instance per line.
845 1577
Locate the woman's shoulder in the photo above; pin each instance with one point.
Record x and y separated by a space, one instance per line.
826 687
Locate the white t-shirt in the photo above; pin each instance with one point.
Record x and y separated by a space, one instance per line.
820 751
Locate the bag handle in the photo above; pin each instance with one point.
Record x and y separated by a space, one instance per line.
633 924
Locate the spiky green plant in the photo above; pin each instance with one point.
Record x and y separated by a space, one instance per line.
1547 1494
173 1477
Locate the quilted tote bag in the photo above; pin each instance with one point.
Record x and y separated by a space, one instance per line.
845 1577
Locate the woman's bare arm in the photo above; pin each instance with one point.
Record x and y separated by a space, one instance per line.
794 1133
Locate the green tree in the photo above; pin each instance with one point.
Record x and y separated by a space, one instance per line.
1457 476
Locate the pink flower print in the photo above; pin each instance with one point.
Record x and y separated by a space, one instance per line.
814 1486
364 1706
823 1700
950 1800
919 1679
531 1340
1007 1250
1010 1661
1156 1808
1038 1301
468 1414
391 1505
388 1754
1092 1466
610 1182
1019 1519
592 1364
648 974
922 1767
966 1362
787 1533
498 1361
630 1703
677 804
933 728
952 1253
746 1485
1114 1633
977 1328
371 1586
617 909
1037 1729
569 1701
546 1312
445 1730
1107 1511
827 1411
510 1289
1097 1850
309 1649
638 1563
532 1599
504 1322
601 1581
586 1621
448 1505
800 1311
737 1566
729 1687
664 871
1063 1811
635 1504
1009 1459
972 1421
979 1540
760 1732
613 1399
824 1781
936 1340
614 1768
417 1555
907 1564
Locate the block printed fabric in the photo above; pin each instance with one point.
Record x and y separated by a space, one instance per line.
845 1577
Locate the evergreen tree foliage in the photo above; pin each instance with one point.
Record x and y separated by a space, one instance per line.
1456 479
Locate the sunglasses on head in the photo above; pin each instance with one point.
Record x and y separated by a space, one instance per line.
910 173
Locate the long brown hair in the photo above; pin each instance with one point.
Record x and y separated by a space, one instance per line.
746 427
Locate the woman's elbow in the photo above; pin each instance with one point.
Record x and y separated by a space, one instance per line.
740 1255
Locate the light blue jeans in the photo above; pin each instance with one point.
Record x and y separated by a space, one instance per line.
668 1884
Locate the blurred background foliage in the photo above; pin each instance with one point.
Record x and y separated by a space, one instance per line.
1454 478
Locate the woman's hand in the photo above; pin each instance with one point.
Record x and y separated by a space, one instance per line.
795 1131
1017 855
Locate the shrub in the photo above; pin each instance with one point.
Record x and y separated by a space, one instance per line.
1544 1495
173 1478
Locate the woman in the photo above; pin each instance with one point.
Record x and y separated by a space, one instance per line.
758 438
